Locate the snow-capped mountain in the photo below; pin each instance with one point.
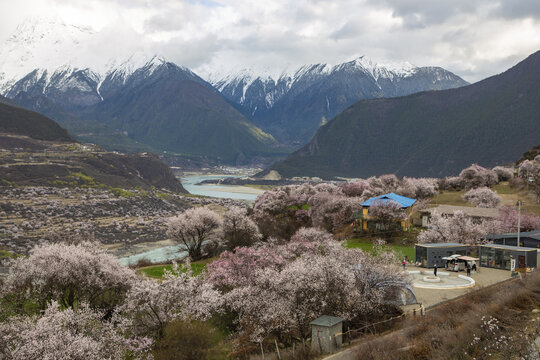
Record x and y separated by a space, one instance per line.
50 58
252 90
78 87
293 105
42 43
46 56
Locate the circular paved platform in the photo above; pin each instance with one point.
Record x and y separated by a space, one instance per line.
444 280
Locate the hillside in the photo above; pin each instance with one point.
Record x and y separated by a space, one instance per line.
177 114
87 131
145 104
20 121
294 106
434 133
37 151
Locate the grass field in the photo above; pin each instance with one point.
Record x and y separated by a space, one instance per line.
157 271
511 195
365 245
450 198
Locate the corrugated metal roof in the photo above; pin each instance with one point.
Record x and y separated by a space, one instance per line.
441 245
508 247
405 202
528 234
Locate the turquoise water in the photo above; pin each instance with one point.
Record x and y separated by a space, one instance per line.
212 190
168 253
162 254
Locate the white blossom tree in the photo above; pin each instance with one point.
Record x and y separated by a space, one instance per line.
150 305
482 197
78 334
387 212
238 229
340 282
192 227
70 274
458 228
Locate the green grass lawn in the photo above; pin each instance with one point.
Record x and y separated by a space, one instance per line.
365 245
4 254
450 198
157 271
511 195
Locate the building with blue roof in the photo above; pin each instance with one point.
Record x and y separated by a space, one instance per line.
403 201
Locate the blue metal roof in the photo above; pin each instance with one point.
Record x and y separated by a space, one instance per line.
405 202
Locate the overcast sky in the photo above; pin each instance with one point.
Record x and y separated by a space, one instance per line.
474 39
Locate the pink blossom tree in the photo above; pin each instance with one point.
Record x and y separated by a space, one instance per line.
421 188
236 269
192 227
69 274
458 228
281 211
150 304
507 221
503 173
312 234
482 197
354 188
238 229
477 176
69 334
330 211
387 212
525 168
340 282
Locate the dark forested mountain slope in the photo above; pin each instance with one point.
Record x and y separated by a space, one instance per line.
431 133
172 112
293 107
37 151
19 121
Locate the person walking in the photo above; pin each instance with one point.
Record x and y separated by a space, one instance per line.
435 270
404 263
468 269
474 266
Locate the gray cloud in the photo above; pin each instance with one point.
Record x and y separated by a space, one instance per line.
518 9
474 39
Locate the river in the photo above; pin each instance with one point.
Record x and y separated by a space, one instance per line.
189 182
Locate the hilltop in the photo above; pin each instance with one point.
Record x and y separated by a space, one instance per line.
434 133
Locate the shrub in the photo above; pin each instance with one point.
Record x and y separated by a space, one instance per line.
188 340
477 176
504 173
482 197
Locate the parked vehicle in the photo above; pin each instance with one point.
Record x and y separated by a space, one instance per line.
454 263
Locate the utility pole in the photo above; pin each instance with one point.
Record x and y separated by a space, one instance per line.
519 222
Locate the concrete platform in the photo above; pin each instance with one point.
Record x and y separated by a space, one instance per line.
431 296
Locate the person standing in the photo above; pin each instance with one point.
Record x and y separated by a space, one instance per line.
404 263
435 270
468 269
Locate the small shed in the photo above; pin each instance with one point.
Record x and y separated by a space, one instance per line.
429 255
326 334
500 256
